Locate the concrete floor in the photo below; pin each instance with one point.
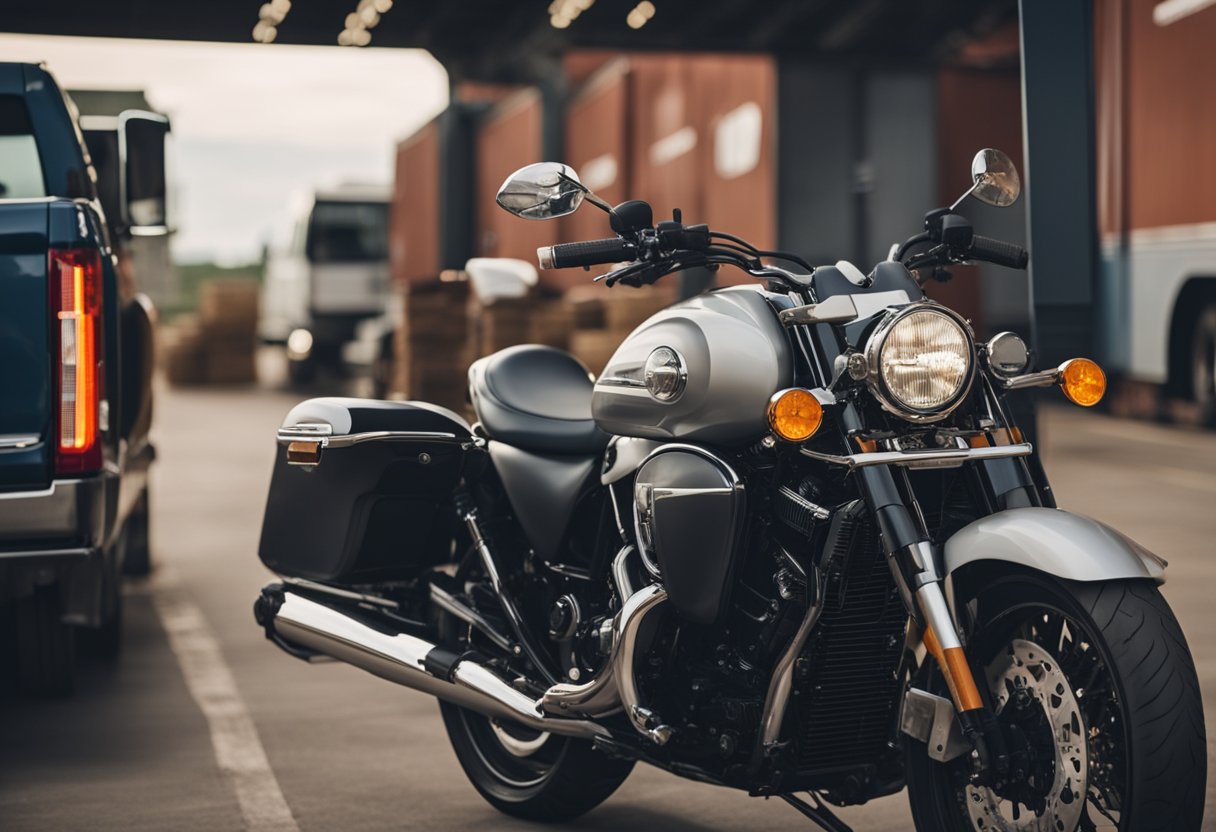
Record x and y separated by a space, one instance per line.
133 751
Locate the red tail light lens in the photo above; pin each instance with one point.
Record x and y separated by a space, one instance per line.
76 297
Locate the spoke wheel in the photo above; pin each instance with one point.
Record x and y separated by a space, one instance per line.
1098 702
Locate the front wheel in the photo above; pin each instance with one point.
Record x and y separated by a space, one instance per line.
528 774
1097 696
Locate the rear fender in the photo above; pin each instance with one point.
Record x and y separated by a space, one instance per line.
1057 542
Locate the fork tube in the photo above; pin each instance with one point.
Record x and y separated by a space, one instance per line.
914 564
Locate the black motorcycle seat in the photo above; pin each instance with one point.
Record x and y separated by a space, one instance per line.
536 398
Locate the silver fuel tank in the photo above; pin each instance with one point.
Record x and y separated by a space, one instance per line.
731 356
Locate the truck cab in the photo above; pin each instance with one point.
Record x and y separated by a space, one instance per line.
76 345
330 275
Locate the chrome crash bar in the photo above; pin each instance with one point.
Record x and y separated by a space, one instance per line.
927 458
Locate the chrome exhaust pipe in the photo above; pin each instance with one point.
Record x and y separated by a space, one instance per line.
301 625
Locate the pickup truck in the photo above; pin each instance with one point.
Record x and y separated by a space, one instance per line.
75 394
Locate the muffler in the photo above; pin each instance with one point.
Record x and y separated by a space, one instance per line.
302 626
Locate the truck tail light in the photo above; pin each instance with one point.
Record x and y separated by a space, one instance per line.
76 296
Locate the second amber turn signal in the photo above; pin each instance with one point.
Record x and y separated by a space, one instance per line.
1082 381
795 414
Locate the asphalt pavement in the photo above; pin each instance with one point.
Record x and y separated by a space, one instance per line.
202 722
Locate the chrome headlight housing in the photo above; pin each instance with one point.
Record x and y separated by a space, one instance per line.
921 362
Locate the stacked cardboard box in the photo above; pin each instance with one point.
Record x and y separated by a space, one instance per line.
219 344
604 318
431 345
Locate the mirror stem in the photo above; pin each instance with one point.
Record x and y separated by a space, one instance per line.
597 202
966 194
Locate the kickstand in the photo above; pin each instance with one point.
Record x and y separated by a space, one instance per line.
818 812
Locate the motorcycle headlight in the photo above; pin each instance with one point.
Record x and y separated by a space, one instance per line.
921 362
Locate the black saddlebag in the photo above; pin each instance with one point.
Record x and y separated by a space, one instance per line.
362 489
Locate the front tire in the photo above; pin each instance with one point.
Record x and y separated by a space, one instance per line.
529 775
1109 653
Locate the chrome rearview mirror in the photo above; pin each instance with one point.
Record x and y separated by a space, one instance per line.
996 178
542 191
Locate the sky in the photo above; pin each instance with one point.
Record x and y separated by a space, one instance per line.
253 124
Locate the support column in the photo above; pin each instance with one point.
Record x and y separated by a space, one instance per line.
1058 125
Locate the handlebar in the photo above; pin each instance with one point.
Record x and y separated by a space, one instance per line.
999 252
586 253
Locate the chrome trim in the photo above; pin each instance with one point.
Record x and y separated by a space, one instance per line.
667 493
1000 342
929 458
736 484
401 658
517 747
932 603
604 694
817 511
636 609
620 574
837 309
15 441
781 683
46 553
878 386
342 593
622 381
681 374
934 721
310 433
446 602
696 449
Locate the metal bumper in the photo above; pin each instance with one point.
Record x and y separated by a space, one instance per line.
57 537
68 518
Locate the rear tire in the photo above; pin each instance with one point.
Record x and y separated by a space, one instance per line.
46 648
528 776
1126 670
136 543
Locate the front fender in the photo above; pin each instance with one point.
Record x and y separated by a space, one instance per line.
1066 545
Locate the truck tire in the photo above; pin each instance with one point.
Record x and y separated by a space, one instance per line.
301 372
136 542
46 649
1203 364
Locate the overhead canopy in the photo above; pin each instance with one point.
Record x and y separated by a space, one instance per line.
496 40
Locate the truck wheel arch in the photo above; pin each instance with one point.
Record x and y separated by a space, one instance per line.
1197 293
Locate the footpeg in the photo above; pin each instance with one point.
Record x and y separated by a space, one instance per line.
651 725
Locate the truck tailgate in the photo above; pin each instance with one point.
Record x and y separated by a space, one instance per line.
26 455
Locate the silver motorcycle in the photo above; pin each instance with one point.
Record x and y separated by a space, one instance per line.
790 541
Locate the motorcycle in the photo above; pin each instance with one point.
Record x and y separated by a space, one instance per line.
790 541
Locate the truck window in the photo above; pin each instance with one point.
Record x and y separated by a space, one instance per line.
20 167
348 232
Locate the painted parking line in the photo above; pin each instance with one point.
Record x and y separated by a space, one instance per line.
234 738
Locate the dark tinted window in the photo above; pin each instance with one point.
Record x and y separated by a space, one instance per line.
348 232
20 167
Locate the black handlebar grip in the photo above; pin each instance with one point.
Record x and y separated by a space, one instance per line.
586 253
999 252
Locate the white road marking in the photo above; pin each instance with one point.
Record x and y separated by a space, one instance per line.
234 738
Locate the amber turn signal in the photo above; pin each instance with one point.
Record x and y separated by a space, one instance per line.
794 414
1082 381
